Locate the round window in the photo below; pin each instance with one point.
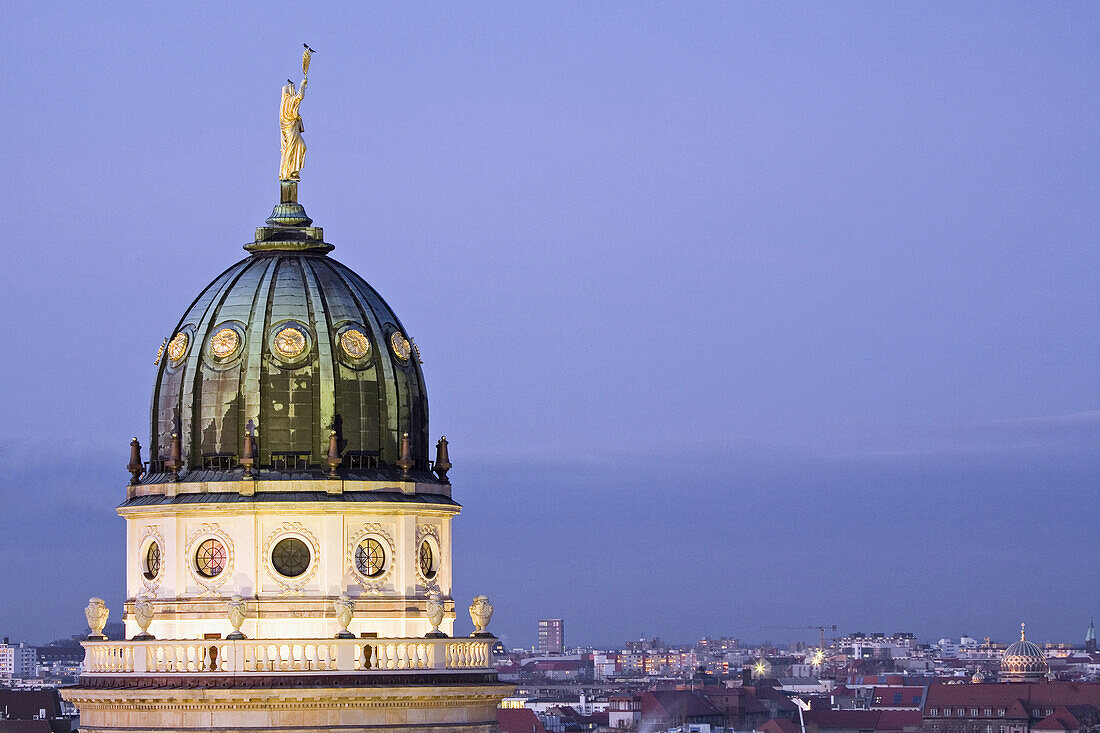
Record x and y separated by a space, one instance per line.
370 558
427 559
210 558
152 561
290 557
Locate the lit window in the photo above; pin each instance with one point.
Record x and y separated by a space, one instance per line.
152 561
370 558
210 559
429 564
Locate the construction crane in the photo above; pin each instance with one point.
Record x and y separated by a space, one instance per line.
821 629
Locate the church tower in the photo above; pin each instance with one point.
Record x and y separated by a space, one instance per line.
288 542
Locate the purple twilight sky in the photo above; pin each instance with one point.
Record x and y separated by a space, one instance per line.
735 313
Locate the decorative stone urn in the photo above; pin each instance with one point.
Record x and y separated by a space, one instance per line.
435 611
96 612
143 615
235 611
345 610
480 613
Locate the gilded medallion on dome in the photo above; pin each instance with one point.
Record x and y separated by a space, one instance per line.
402 349
224 343
290 342
354 343
177 347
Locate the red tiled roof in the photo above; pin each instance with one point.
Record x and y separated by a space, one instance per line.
518 720
675 703
1060 720
879 720
779 725
884 697
735 699
1009 693
782 702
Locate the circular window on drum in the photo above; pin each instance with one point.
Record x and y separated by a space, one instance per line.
355 343
427 560
290 557
370 558
210 558
151 561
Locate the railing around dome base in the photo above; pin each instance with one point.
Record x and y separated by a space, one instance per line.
296 656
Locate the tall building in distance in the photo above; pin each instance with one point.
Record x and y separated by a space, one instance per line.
288 543
551 636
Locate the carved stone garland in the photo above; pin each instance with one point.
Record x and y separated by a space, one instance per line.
291 586
374 586
210 531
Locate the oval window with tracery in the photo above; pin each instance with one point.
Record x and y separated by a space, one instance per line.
210 558
152 561
427 559
370 558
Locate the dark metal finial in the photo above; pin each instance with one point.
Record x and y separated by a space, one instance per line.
442 460
248 459
135 466
405 462
334 459
175 459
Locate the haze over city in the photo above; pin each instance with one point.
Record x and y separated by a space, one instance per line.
733 315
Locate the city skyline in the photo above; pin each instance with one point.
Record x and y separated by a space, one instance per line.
812 312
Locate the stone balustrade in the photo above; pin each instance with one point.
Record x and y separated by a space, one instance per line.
289 656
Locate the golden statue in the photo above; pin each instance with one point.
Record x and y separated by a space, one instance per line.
293 147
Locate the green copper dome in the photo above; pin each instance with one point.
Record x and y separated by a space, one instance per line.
290 344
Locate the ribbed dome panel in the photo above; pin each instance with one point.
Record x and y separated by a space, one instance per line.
209 392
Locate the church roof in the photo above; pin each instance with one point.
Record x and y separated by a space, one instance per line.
286 346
